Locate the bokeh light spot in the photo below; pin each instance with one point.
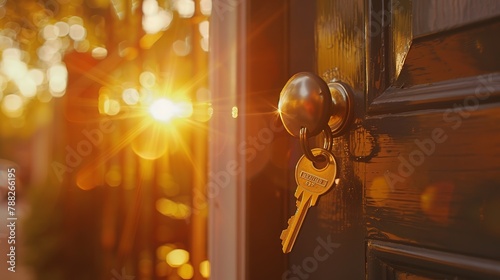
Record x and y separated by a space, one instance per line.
37 76
62 28
181 47
204 27
113 177
99 53
234 112
186 271
130 96
77 32
177 257
12 105
112 107
185 8
147 79
206 7
205 269
162 251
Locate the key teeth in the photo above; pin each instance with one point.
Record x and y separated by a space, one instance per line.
283 235
285 232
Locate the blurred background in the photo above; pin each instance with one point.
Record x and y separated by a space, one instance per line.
104 110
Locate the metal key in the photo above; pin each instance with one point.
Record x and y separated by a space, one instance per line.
311 183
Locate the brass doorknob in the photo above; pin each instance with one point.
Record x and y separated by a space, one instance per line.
307 101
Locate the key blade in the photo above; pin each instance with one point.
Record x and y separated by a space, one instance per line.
289 235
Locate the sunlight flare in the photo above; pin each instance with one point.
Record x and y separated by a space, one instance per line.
165 110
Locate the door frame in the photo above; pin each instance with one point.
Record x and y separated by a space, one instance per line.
226 202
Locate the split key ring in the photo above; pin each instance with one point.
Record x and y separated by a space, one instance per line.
304 143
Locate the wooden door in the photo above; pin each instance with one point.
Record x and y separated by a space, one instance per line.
431 190
419 192
419 196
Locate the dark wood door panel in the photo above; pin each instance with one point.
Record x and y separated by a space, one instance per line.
464 52
424 149
387 260
465 92
432 108
437 16
436 179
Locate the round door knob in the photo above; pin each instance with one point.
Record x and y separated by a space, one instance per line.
307 101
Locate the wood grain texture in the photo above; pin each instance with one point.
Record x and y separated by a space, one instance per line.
433 181
458 53
431 16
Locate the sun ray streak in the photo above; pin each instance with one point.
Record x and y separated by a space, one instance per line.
89 170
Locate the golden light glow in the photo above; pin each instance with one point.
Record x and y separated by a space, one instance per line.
203 95
81 46
234 112
57 86
436 201
50 32
62 28
169 187
205 269
186 271
99 53
185 109
58 77
165 110
111 107
181 47
49 53
27 87
148 40
3 83
203 27
113 177
173 209
177 257
206 7
153 142
185 8
14 68
54 53
37 76
147 79
203 112
166 206
162 251
155 18
204 44
150 7
130 96
11 53
379 190
44 96
12 105
77 32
